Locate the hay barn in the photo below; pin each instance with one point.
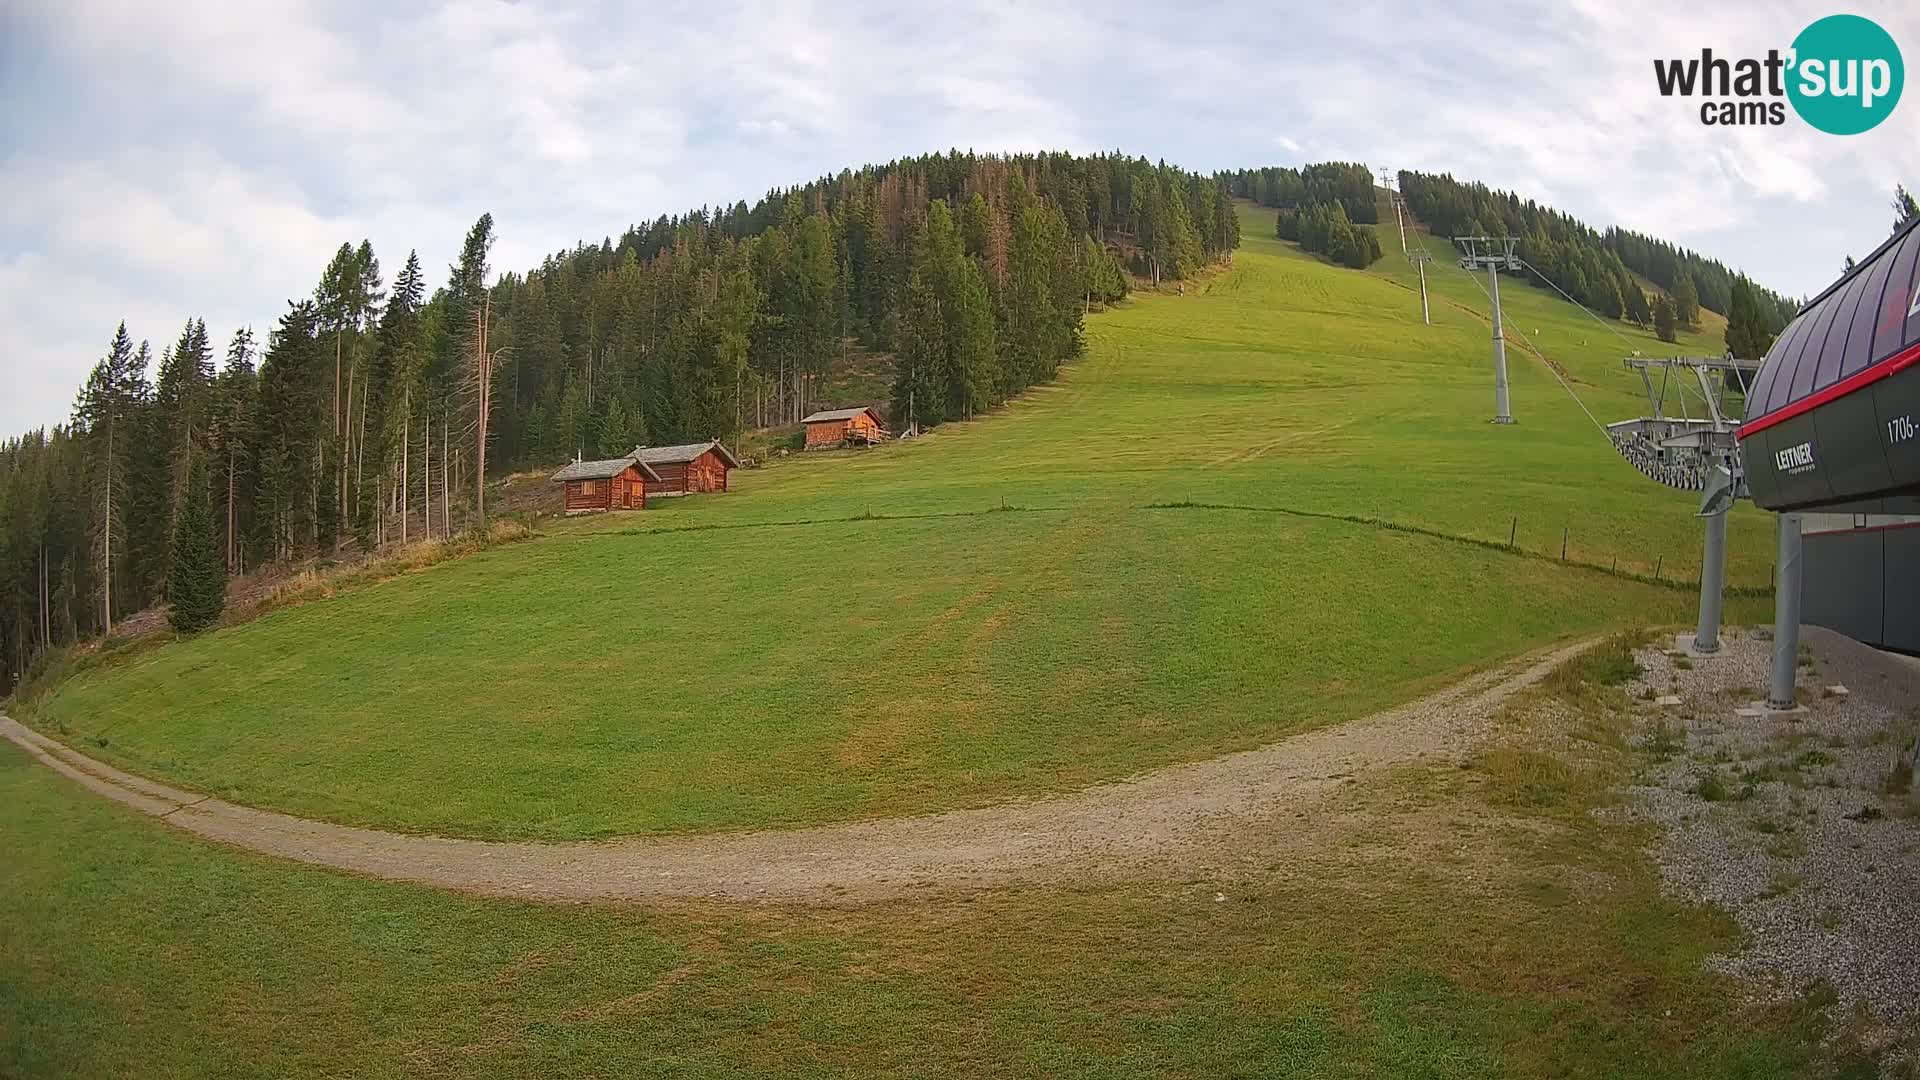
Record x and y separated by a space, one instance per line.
612 484
839 426
687 468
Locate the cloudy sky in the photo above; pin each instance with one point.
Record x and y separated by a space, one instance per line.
198 158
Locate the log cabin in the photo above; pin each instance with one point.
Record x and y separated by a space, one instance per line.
687 468
838 427
613 484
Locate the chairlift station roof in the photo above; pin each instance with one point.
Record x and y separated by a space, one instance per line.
1834 414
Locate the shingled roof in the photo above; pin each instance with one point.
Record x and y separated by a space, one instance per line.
675 455
601 470
837 414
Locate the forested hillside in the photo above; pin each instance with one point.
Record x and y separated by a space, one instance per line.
370 402
361 417
1595 268
1344 183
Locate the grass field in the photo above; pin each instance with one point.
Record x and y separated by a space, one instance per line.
1081 587
1145 563
1483 923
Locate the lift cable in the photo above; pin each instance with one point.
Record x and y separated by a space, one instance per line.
1598 426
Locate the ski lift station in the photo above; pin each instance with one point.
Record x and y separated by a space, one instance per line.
1832 437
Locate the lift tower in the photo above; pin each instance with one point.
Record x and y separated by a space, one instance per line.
1492 253
1420 257
1694 454
1393 196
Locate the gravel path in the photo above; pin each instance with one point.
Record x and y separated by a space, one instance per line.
1180 818
1803 841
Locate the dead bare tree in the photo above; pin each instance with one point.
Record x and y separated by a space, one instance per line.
483 362
426 473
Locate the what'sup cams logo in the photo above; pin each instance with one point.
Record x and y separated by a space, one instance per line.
1843 75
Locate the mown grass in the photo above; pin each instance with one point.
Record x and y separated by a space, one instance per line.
852 635
127 949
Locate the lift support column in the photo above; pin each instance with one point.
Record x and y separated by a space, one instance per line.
1713 576
1786 616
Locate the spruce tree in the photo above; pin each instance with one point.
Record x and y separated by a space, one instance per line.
104 413
570 421
1183 240
1227 224
289 415
183 401
197 573
1637 310
1905 208
1030 346
233 439
616 434
1750 326
1664 320
973 362
1686 302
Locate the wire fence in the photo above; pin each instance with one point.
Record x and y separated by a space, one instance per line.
1558 547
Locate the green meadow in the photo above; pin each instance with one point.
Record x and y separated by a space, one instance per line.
1481 922
1266 505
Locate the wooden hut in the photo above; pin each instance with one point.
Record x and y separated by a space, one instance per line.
613 484
838 427
687 468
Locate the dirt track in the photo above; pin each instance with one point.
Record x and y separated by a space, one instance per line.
1177 819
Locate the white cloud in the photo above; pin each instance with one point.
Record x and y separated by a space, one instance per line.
195 158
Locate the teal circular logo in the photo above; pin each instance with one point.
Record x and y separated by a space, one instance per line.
1846 74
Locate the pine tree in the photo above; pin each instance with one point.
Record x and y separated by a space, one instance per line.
1226 225
570 422
183 397
616 434
291 397
1750 326
729 320
1105 281
1637 311
1183 240
976 226
1905 208
947 368
1341 244
104 412
1155 232
197 572
1031 346
466 289
232 435
149 529
1664 320
809 316
1686 302
919 396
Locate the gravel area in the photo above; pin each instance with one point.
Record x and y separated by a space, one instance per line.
1795 824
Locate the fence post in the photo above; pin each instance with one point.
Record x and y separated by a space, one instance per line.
1657 564
1512 532
1563 543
